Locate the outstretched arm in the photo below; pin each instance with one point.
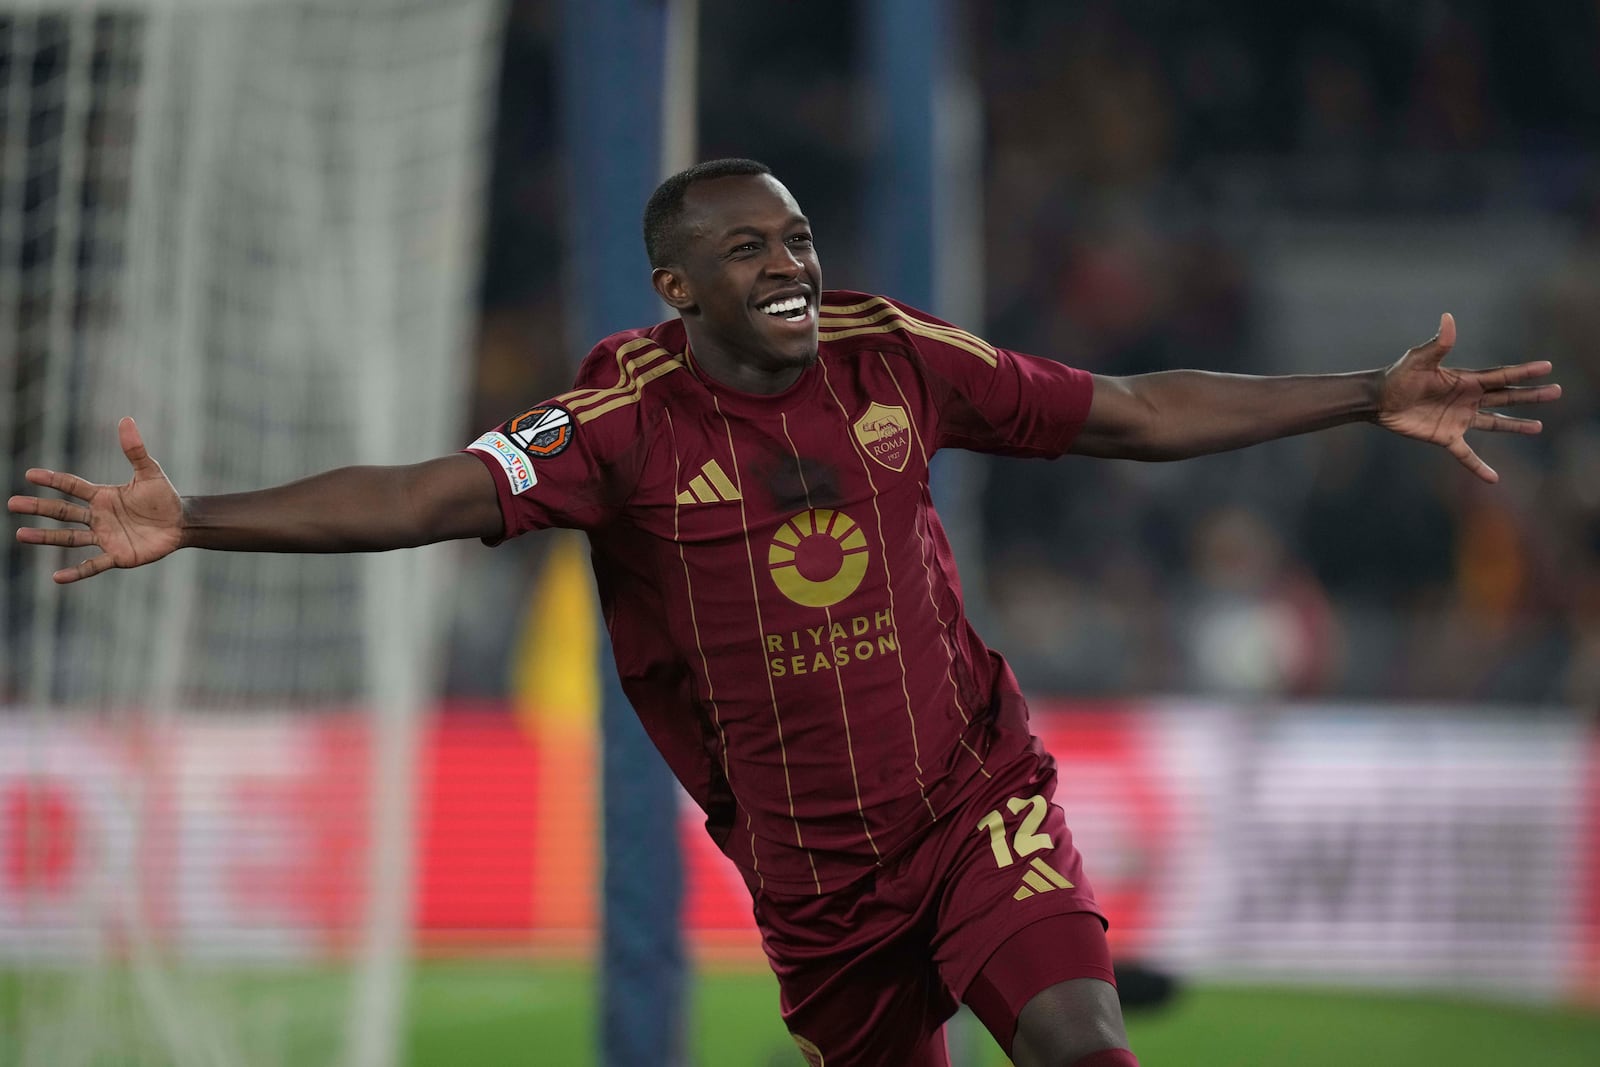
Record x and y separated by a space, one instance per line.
351 509
1177 414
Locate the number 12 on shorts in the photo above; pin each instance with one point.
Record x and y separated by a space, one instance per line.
1028 840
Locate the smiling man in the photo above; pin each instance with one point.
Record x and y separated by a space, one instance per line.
784 608
710 236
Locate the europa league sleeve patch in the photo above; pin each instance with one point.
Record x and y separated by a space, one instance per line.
542 432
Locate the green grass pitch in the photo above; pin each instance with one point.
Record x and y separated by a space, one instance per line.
735 1024
475 1013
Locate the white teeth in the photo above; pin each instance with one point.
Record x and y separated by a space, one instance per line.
785 307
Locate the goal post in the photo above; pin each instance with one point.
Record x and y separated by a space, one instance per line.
252 225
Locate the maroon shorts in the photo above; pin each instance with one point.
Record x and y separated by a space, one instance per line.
869 974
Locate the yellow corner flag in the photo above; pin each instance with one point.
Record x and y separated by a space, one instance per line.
555 691
554 677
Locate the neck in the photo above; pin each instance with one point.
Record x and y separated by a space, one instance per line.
744 375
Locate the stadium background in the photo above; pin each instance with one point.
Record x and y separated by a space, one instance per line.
1326 709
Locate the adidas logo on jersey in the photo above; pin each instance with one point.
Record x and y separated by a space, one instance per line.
710 486
1041 879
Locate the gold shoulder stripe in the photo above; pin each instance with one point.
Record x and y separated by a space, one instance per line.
632 368
885 310
623 351
877 306
880 309
633 394
888 318
958 338
851 309
898 327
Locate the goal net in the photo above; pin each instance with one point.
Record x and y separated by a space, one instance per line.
252 225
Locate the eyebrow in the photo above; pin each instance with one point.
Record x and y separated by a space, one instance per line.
756 231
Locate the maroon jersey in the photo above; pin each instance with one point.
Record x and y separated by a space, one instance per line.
782 600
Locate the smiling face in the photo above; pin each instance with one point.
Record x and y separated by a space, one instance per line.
748 282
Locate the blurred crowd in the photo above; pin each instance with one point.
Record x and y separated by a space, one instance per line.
1121 240
1139 158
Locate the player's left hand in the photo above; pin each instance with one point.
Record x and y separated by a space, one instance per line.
1421 398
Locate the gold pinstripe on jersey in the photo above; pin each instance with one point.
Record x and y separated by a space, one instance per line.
699 646
755 595
888 585
927 574
838 678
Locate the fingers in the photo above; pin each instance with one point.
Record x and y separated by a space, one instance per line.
1488 420
61 538
87 569
1469 459
133 447
60 510
61 481
1500 377
1521 394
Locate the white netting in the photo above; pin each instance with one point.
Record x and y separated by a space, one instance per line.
253 227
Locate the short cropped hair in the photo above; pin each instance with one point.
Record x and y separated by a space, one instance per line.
663 237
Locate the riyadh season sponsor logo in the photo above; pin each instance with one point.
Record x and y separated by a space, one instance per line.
817 559
831 646
518 472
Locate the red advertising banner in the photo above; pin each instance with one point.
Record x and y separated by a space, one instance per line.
478 825
1118 805
1337 844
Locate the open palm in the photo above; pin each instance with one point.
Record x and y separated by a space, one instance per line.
131 524
1423 399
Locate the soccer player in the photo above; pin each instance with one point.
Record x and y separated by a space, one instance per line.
783 606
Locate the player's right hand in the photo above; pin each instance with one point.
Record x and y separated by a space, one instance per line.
131 524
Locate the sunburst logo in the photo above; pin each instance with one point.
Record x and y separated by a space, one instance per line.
818 557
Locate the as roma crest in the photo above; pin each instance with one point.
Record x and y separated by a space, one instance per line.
885 433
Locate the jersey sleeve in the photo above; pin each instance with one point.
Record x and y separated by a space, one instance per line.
560 463
547 471
995 400
1024 406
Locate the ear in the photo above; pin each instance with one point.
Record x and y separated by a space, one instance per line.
672 287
